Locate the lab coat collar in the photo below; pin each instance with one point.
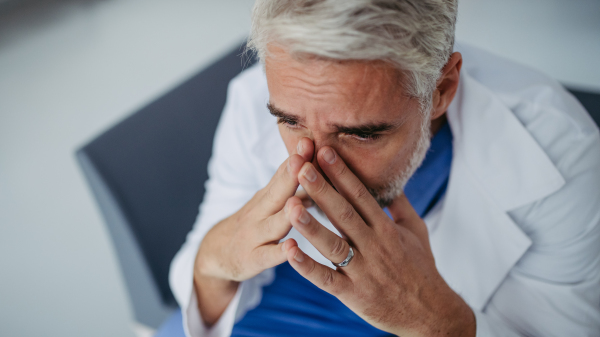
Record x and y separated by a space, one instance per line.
270 148
497 166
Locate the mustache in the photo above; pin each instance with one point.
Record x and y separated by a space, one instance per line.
374 191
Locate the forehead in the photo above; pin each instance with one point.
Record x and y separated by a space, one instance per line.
335 91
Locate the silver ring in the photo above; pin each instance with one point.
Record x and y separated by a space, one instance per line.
347 260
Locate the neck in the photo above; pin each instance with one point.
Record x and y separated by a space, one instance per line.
437 124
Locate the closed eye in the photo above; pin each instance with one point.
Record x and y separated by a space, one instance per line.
358 136
364 137
288 122
362 133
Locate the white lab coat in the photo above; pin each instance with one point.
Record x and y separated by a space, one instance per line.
517 234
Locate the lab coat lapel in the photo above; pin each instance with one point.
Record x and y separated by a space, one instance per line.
497 166
270 148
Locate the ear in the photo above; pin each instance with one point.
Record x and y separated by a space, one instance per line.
446 85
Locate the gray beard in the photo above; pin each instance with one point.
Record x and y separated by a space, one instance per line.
386 194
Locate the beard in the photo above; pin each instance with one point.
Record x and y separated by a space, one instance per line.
385 194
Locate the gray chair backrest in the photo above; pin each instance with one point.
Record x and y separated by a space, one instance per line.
590 101
147 174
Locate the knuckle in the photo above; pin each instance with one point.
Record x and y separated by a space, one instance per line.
328 280
312 230
282 169
359 192
260 259
322 187
389 231
338 250
236 270
335 290
341 171
269 225
347 213
270 195
311 269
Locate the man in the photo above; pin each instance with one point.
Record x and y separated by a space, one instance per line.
497 231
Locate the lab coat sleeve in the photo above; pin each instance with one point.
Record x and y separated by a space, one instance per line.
554 290
489 327
192 321
231 184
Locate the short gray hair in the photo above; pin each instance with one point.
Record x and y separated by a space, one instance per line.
416 36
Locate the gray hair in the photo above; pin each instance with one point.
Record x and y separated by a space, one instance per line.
416 36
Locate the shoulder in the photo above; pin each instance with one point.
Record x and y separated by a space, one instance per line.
248 96
564 227
531 95
252 82
550 114
247 124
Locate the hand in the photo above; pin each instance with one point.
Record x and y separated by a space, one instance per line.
392 281
246 243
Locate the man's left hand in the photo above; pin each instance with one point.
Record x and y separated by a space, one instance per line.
392 281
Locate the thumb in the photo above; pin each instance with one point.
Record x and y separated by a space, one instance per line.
272 254
405 216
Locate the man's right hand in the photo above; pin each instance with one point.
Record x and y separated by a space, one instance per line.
247 243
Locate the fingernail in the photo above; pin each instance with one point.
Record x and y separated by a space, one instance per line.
329 156
299 257
299 148
304 217
310 174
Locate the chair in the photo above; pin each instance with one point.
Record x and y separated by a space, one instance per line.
147 174
591 102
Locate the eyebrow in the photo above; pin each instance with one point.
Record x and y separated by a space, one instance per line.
282 115
363 129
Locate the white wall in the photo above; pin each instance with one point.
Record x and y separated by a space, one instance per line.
67 72
70 69
558 37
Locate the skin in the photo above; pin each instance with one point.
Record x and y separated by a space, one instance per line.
324 94
325 100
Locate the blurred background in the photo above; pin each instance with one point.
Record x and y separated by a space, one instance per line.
70 69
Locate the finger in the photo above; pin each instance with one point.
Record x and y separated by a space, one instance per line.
273 254
323 277
285 182
288 244
306 148
282 186
339 211
306 200
333 247
276 226
350 187
405 215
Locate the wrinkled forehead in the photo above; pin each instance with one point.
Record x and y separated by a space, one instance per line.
336 91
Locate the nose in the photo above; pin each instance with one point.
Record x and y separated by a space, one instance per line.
319 142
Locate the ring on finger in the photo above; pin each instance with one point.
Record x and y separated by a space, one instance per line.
346 260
